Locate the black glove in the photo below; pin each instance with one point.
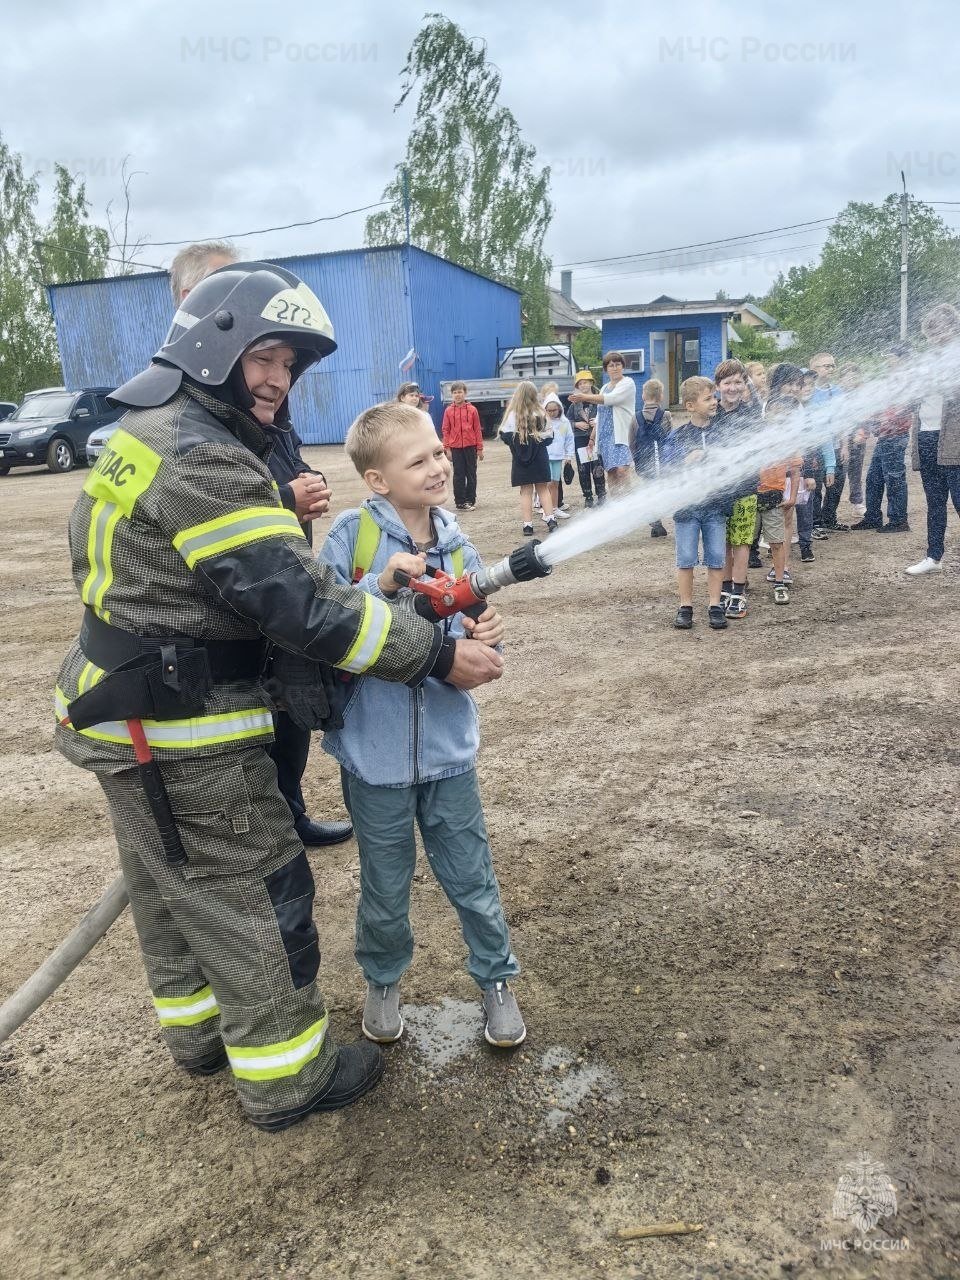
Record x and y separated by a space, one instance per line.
305 690
568 473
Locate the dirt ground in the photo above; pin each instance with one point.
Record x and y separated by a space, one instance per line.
729 861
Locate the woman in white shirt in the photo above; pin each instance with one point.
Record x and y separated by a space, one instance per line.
617 403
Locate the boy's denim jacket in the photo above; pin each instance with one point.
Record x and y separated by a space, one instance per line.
392 735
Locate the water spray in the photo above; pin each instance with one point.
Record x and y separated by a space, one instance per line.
728 463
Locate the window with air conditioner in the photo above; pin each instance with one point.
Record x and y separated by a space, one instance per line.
633 361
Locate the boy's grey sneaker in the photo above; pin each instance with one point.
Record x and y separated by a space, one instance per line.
505 1027
381 1014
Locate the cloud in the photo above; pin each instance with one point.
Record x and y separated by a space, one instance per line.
661 128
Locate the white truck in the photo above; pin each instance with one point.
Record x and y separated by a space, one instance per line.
539 365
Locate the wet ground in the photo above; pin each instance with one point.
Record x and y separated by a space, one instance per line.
729 862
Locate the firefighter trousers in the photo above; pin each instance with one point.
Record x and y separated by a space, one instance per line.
228 941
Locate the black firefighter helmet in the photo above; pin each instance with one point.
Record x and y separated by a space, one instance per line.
227 312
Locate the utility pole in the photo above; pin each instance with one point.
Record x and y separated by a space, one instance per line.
406 202
903 259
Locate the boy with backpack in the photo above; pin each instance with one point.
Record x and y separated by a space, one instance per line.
407 756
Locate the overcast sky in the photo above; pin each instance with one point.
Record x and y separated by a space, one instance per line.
662 129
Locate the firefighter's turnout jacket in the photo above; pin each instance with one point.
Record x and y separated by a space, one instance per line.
180 533
180 530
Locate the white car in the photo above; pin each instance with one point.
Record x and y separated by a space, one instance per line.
97 441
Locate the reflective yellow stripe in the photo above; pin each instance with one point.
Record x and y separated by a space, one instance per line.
274 1061
237 529
89 676
123 472
371 637
456 557
180 735
187 1011
103 519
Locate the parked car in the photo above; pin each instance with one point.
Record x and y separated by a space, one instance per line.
97 441
6 408
51 428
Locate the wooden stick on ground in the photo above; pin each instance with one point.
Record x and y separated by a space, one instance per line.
659 1229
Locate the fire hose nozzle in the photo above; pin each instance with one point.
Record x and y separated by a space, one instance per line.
522 565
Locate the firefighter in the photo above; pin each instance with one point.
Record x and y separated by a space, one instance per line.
196 581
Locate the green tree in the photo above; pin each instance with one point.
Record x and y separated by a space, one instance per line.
32 255
754 344
475 193
850 301
586 349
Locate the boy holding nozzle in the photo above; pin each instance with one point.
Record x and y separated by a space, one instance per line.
407 756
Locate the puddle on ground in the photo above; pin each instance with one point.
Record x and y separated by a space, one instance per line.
571 1082
453 1029
442 1033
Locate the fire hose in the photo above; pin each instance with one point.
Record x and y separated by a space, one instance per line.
438 596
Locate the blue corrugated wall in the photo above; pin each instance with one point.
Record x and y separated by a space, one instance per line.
634 335
459 319
380 305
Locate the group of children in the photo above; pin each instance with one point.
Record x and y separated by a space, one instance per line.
792 502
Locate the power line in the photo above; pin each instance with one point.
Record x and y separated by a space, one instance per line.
772 249
129 262
662 269
703 244
262 231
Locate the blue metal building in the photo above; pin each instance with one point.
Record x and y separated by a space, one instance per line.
383 303
669 339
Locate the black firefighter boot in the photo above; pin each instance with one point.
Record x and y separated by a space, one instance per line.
358 1069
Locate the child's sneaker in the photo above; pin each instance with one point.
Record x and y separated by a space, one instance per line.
806 554
588 502
528 530
754 561
561 514
787 576
781 593
684 619
381 1014
736 607
552 525
504 1027
717 617
657 530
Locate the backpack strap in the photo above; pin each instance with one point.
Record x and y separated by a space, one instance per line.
368 540
365 547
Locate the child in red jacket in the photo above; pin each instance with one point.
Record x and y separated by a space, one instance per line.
463 443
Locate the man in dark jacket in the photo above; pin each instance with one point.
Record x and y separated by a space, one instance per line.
305 493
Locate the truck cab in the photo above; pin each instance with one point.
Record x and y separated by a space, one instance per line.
539 365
